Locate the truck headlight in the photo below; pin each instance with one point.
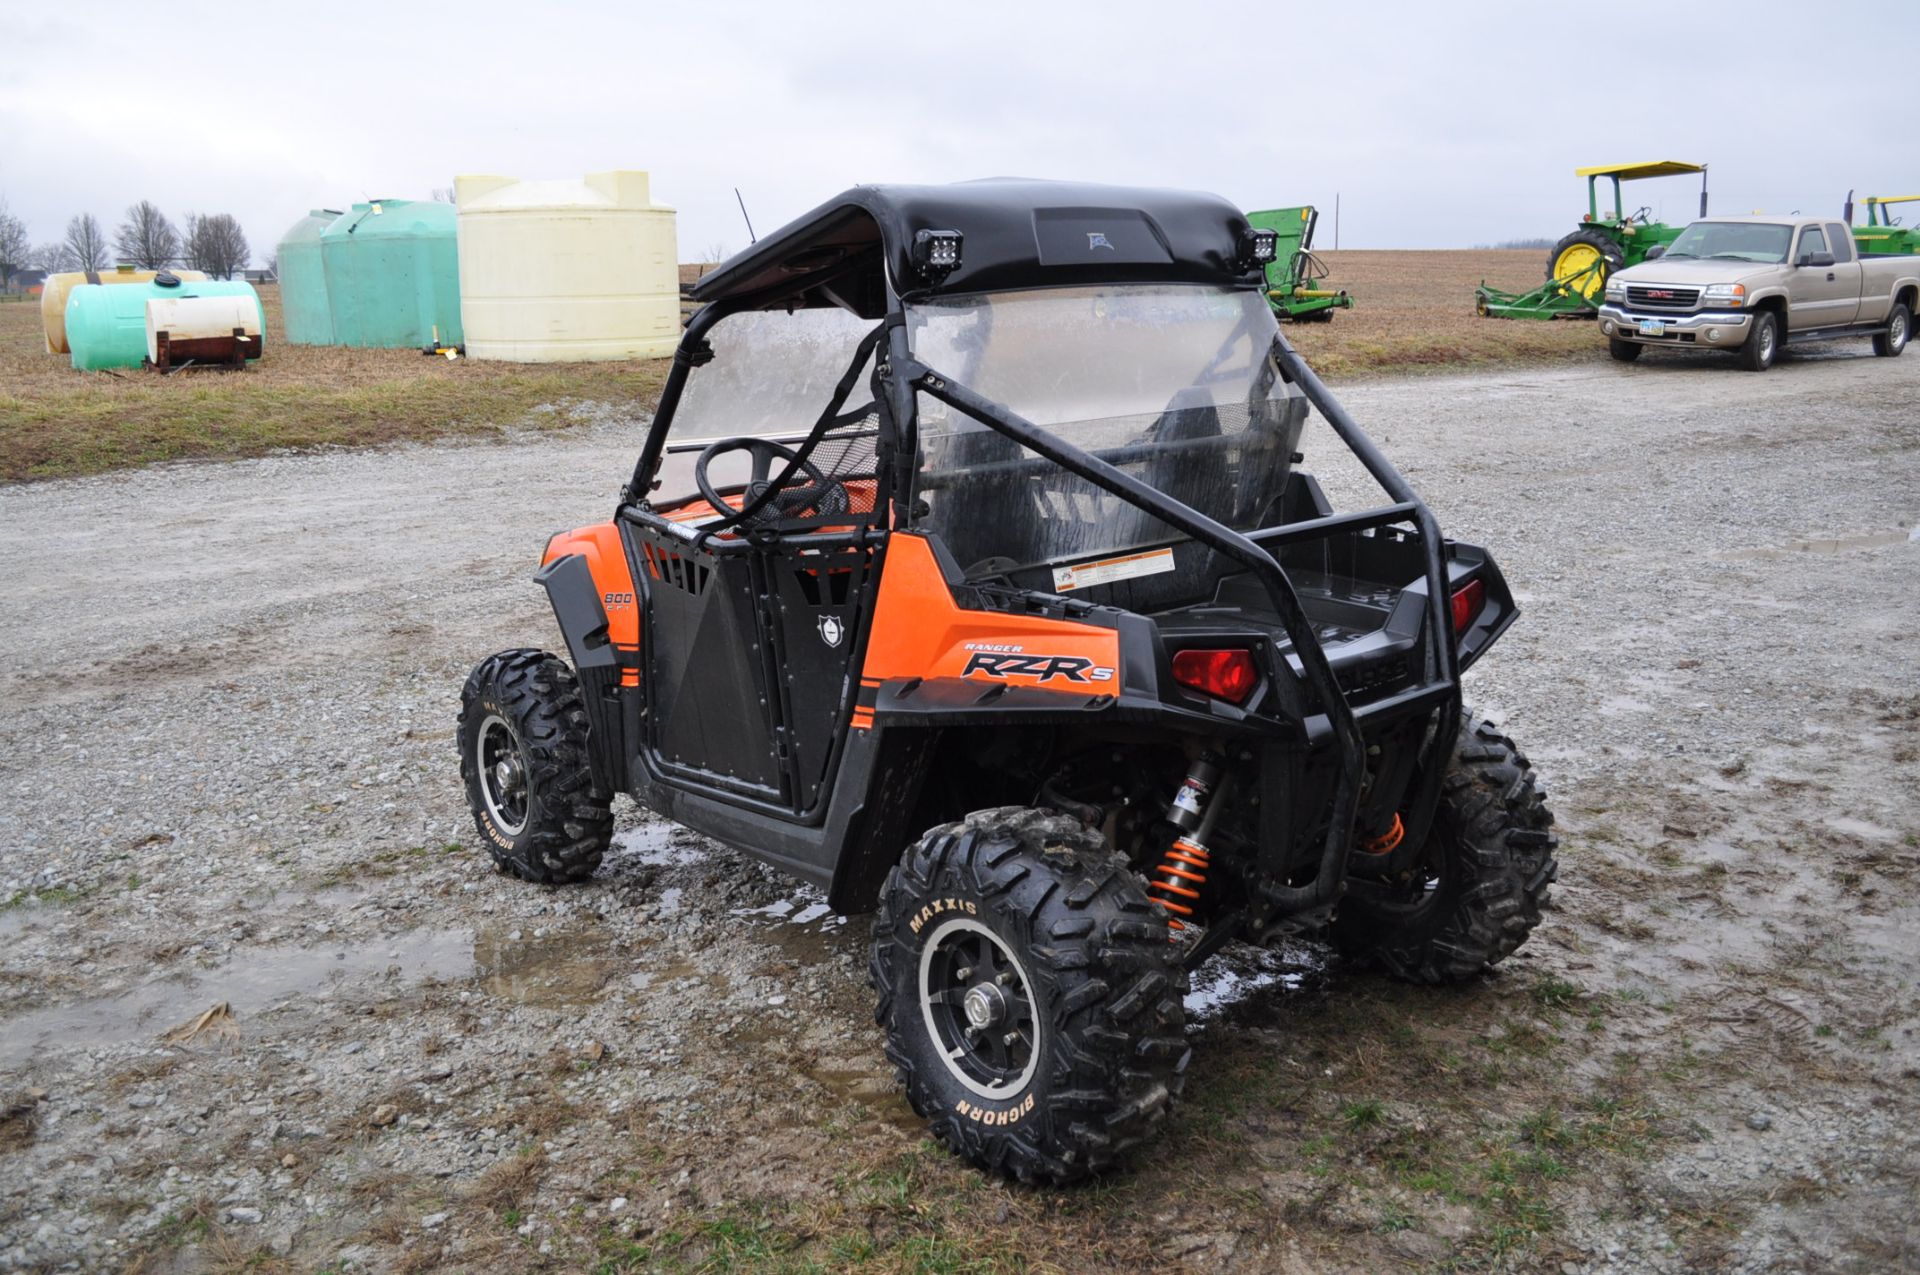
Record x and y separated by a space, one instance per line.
1616 289
1730 295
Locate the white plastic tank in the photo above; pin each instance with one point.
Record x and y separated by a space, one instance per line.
563 271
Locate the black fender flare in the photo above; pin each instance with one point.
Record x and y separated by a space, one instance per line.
576 607
583 623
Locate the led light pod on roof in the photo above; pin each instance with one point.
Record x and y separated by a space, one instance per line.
936 253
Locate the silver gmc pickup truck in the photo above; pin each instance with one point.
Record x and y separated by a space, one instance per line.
1752 284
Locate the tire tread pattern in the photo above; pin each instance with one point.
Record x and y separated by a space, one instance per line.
568 827
1499 828
1110 998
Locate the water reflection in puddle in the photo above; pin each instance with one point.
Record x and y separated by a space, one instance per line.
663 845
1244 976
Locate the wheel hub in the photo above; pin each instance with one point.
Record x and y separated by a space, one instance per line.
502 775
977 1005
986 1006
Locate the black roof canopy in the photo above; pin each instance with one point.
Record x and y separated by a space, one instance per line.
1017 233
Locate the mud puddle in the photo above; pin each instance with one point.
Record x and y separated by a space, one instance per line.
564 967
253 982
1838 545
870 1094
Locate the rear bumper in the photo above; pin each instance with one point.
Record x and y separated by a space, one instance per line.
1716 329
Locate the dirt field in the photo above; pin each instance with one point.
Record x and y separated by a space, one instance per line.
230 781
1415 313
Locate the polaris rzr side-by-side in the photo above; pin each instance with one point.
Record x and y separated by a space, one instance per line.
969 572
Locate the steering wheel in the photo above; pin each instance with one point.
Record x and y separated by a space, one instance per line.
764 452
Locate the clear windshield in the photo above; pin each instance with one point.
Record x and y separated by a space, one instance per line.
1759 242
773 372
1174 384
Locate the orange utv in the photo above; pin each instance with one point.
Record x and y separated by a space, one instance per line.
970 572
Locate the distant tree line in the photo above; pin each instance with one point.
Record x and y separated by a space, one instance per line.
1517 243
211 242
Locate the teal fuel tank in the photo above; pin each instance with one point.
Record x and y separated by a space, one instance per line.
393 274
107 326
304 311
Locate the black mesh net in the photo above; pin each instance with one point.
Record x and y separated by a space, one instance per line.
838 486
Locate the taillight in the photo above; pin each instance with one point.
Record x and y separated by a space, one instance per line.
1467 604
1227 675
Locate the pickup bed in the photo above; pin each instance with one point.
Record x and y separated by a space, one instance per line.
1752 284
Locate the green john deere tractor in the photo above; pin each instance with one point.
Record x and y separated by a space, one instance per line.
1295 276
1883 235
1578 266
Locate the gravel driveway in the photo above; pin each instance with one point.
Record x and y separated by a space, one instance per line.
229 779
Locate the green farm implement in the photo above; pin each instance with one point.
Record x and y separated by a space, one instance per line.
1295 277
1578 266
1883 235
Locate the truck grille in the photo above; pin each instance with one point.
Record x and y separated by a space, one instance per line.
1659 298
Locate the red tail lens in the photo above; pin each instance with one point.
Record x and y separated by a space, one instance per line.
1467 604
1227 675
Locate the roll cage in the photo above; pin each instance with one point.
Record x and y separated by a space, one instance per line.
867 252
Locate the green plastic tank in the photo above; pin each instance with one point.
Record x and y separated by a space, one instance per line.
393 274
107 326
304 312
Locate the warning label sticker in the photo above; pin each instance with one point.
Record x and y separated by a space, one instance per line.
1107 570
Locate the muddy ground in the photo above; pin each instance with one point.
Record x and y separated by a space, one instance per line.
229 779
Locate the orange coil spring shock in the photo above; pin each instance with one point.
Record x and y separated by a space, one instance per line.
1387 841
1177 881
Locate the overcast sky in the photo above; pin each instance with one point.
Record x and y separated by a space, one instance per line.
1438 124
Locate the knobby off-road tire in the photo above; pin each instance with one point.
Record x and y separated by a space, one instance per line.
523 757
1762 348
1890 340
1623 351
1032 903
1482 882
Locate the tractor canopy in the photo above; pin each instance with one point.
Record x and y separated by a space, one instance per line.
990 235
1635 172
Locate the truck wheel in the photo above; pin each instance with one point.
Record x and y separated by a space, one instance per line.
1763 343
523 757
1893 339
1477 889
1624 351
1025 984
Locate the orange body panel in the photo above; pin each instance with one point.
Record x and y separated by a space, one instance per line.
607 563
918 631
